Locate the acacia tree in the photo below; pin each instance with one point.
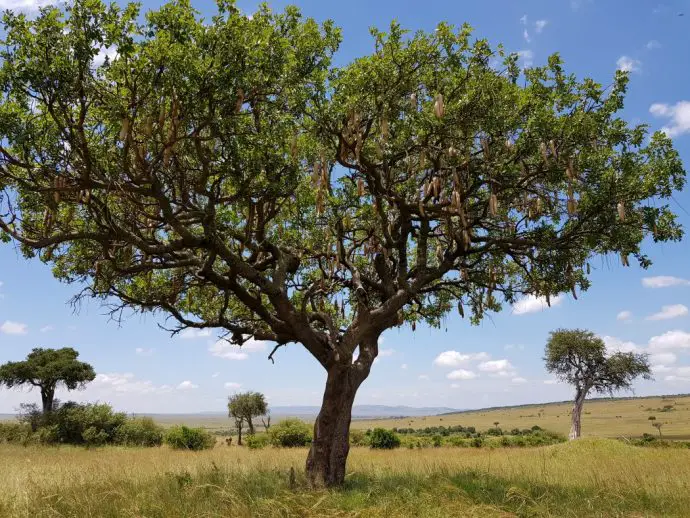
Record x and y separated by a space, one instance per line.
246 406
47 369
579 357
223 173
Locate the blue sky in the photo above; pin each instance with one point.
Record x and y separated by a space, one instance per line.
142 369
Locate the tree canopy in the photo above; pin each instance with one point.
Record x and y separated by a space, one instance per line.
579 358
224 173
246 406
48 369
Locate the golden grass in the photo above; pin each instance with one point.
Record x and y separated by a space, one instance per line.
590 477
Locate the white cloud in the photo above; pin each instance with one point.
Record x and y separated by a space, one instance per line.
662 358
496 366
215 374
511 347
660 368
523 19
527 57
403 366
13 328
461 374
525 35
231 385
187 385
664 281
539 25
519 380
224 349
423 377
127 383
625 316
670 340
550 382
616 345
46 329
533 304
628 64
103 52
191 333
678 115
24 5
653 44
457 359
143 352
668 312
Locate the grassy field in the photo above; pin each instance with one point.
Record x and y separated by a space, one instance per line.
590 477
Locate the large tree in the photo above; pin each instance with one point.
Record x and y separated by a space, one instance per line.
223 173
47 369
579 357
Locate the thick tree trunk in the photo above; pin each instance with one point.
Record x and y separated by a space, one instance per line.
576 426
251 426
47 399
328 454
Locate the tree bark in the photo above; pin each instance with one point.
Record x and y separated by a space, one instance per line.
238 425
328 454
250 425
47 399
576 424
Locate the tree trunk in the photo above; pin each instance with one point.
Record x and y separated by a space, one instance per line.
251 426
576 425
47 399
238 425
331 444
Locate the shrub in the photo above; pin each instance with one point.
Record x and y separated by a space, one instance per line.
384 439
436 441
257 441
290 433
139 431
185 438
358 438
477 442
14 432
93 436
72 421
651 418
494 432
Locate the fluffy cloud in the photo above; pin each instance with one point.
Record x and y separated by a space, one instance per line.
191 333
231 385
13 328
668 312
229 351
140 351
662 358
616 345
495 368
527 57
653 44
539 25
127 383
457 359
664 281
24 5
628 64
187 385
678 116
670 340
624 316
103 52
461 374
533 304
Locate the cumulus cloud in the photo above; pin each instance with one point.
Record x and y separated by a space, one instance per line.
625 316
24 5
533 304
187 385
664 281
525 35
539 25
457 359
653 44
670 340
616 345
231 385
13 328
662 358
628 64
191 333
229 351
678 116
668 312
495 366
140 351
461 374
127 383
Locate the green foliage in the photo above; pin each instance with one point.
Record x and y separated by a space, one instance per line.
258 441
14 432
246 406
382 439
90 424
185 438
579 357
290 433
139 431
358 438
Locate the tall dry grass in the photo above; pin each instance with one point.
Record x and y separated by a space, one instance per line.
585 478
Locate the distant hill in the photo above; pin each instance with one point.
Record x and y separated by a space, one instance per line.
365 411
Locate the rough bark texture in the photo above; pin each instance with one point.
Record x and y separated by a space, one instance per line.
328 454
47 398
576 425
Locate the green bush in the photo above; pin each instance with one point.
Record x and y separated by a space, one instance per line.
437 441
14 432
93 436
358 438
139 431
290 433
72 420
185 438
384 439
257 441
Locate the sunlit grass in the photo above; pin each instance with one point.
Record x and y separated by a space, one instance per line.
585 478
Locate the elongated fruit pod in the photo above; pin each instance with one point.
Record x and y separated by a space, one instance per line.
493 204
544 153
413 99
240 100
124 129
624 259
360 187
461 310
485 147
572 290
621 210
552 145
439 107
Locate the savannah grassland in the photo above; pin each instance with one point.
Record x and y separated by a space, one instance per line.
589 477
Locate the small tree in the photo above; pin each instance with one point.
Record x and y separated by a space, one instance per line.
266 421
579 357
47 369
658 426
245 407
